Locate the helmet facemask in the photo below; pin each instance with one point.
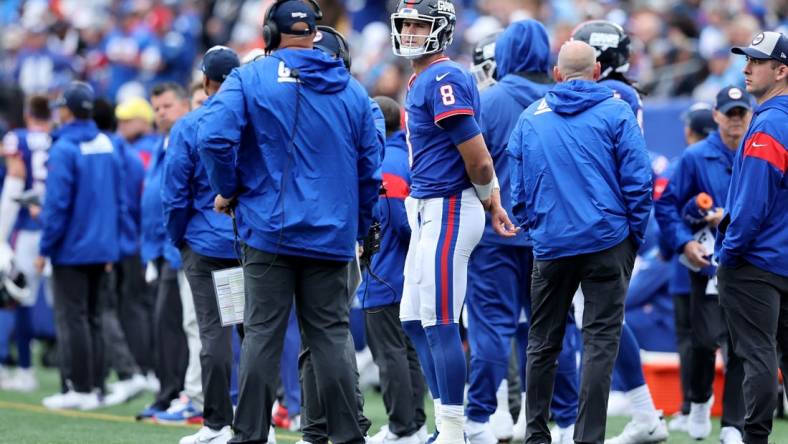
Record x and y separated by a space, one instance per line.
484 74
403 44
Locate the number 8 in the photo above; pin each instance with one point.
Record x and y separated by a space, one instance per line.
447 94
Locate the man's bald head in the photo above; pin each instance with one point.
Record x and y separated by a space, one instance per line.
576 60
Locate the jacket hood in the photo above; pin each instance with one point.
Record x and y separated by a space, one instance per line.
523 47
316 70
779 102
576 96
77 131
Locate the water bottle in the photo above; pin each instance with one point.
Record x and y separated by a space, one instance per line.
696 209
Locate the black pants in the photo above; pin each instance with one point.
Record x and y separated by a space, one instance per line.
401 379
604 277
321 299
135 311
216 355
118 356
681 313
755 303
709 332
77 291
172 351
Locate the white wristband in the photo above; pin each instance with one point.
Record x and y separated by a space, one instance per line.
485 191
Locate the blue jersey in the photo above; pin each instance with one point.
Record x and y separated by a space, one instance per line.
628 94
442 90
33 148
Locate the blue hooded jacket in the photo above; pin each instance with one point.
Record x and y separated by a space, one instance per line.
388 263
581 176
753 228
187 196
156 242
308 155
134 175
705 167
84 203
522 55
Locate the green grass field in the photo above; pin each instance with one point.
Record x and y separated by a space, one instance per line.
24 421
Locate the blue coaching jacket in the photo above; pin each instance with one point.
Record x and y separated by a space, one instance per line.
756 212
581 176
187 196
131 219
156 242
388 263
522 55
705 167
308 156
84 203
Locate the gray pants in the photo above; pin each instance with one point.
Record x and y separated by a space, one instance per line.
321 299
681 313
77 291
709 333
172 352
755 303
118 356
135 311
216 355
604 277
401 379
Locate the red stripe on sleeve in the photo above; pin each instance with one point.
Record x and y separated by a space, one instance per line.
765 147
396 187
454 112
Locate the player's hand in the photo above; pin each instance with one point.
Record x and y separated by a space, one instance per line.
714 217
223 205
34 211
696 254
108 267
501 222
40 263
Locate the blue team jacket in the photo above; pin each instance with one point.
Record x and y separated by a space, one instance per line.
756 211
156 242
134 175
187 197
82 211
389 262
581 177
522 54
705 167
307 195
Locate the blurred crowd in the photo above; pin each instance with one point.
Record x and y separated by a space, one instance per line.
123 47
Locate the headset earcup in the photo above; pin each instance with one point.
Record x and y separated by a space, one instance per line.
271 35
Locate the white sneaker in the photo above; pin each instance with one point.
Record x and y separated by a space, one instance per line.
478 433
518 431
23 380
699 421
368 372
501 421
271 435
641 432
295 423
423 434
730 435
123 391
560 435
452 431
72 400
208 435
384 436
618 404
678 422
152 383
4 376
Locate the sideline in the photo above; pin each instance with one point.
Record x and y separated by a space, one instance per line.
22 407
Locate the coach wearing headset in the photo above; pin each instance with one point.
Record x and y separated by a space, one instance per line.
290 147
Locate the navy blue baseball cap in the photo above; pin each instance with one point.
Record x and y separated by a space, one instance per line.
218 62
77 97
327 39
291 12
731 97
700 119
766 45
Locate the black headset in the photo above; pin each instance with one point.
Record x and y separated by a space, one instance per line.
271 33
